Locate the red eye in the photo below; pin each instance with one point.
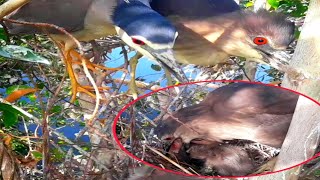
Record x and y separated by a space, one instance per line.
137 41
260 41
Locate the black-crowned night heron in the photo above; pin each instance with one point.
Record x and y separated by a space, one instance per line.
212 30
134 21
245 111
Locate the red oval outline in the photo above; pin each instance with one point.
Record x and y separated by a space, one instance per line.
114 133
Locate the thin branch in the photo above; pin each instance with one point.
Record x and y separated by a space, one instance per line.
46 25
10 6
166 158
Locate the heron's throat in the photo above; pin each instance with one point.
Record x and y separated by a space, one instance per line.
211 28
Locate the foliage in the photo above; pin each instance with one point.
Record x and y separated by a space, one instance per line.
9 115
21 53
295 8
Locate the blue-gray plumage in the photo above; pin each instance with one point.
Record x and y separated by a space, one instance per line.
212 30
137 19
194 8
148 32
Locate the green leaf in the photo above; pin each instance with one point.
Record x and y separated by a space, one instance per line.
300 10
37 154
9 119
57 155
32 97
22 53
249 4
56 109
297 34
9 115
3 35
61 122
40 85
86 148
61 142
156 67
82 124
274 3
19 147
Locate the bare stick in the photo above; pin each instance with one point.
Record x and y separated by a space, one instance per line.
10 6
163 156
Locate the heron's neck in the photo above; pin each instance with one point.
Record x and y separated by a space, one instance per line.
225 33
214 27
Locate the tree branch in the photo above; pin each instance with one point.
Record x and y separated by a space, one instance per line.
303 135
10 6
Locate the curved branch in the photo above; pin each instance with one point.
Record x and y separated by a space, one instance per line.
10 6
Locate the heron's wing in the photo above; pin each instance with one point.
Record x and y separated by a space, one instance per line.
69 14
194 8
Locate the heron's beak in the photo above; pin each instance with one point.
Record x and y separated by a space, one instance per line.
277 59
167 60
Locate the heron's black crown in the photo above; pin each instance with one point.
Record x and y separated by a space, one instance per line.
138 19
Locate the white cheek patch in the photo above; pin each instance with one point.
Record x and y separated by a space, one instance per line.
124 36
154 45
128 40
149 45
